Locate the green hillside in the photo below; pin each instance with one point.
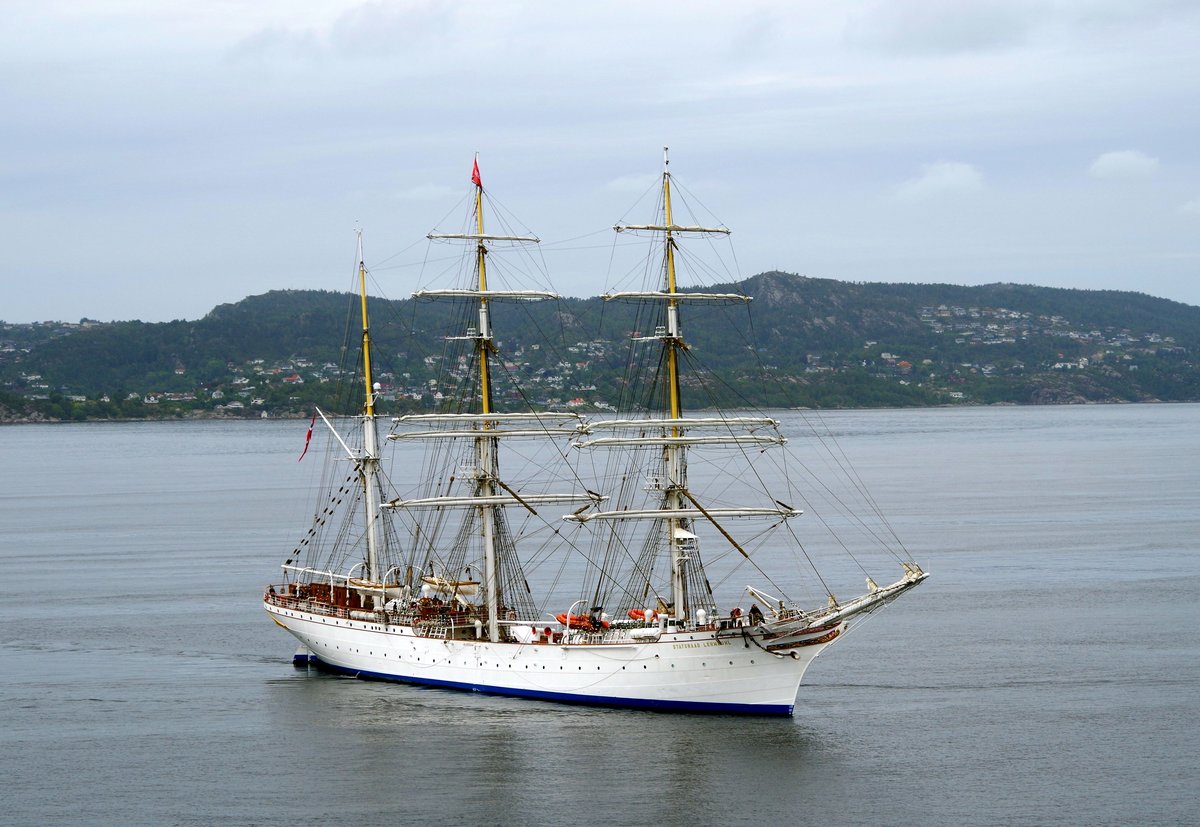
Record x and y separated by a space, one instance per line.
801 342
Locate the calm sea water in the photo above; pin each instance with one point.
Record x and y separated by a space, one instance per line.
1048 673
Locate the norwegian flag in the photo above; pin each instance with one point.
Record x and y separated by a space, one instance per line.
308 436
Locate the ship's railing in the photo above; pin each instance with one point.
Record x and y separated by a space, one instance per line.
304 604
444 623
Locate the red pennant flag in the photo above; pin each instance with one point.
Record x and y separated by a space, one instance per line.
475 179
308 436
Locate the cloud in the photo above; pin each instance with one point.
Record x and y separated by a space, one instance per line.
940 27
369 30
938 179
380 30
276 42
637 183
1126 163
1191 207
424 192
180 121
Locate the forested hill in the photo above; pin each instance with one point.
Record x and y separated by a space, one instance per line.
801 342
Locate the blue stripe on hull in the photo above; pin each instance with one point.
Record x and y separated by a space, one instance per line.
565 697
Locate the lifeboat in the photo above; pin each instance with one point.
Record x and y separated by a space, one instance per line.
575 621
583 622
456 588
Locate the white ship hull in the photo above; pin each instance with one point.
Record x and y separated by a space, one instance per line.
726 671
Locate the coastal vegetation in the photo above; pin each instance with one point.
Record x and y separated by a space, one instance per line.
804 342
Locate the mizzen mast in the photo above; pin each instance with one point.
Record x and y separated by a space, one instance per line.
369 462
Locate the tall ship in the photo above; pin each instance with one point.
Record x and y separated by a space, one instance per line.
499 546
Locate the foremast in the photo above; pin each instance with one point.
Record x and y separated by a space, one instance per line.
679 508
674 454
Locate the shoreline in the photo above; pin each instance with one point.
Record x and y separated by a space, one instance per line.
211 417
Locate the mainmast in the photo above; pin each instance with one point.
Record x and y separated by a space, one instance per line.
485 446
487 498
483 342
369 462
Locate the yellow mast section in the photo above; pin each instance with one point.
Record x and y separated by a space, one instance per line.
484 378
672 306
369 408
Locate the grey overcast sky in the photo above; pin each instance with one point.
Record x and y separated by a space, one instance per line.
158 159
